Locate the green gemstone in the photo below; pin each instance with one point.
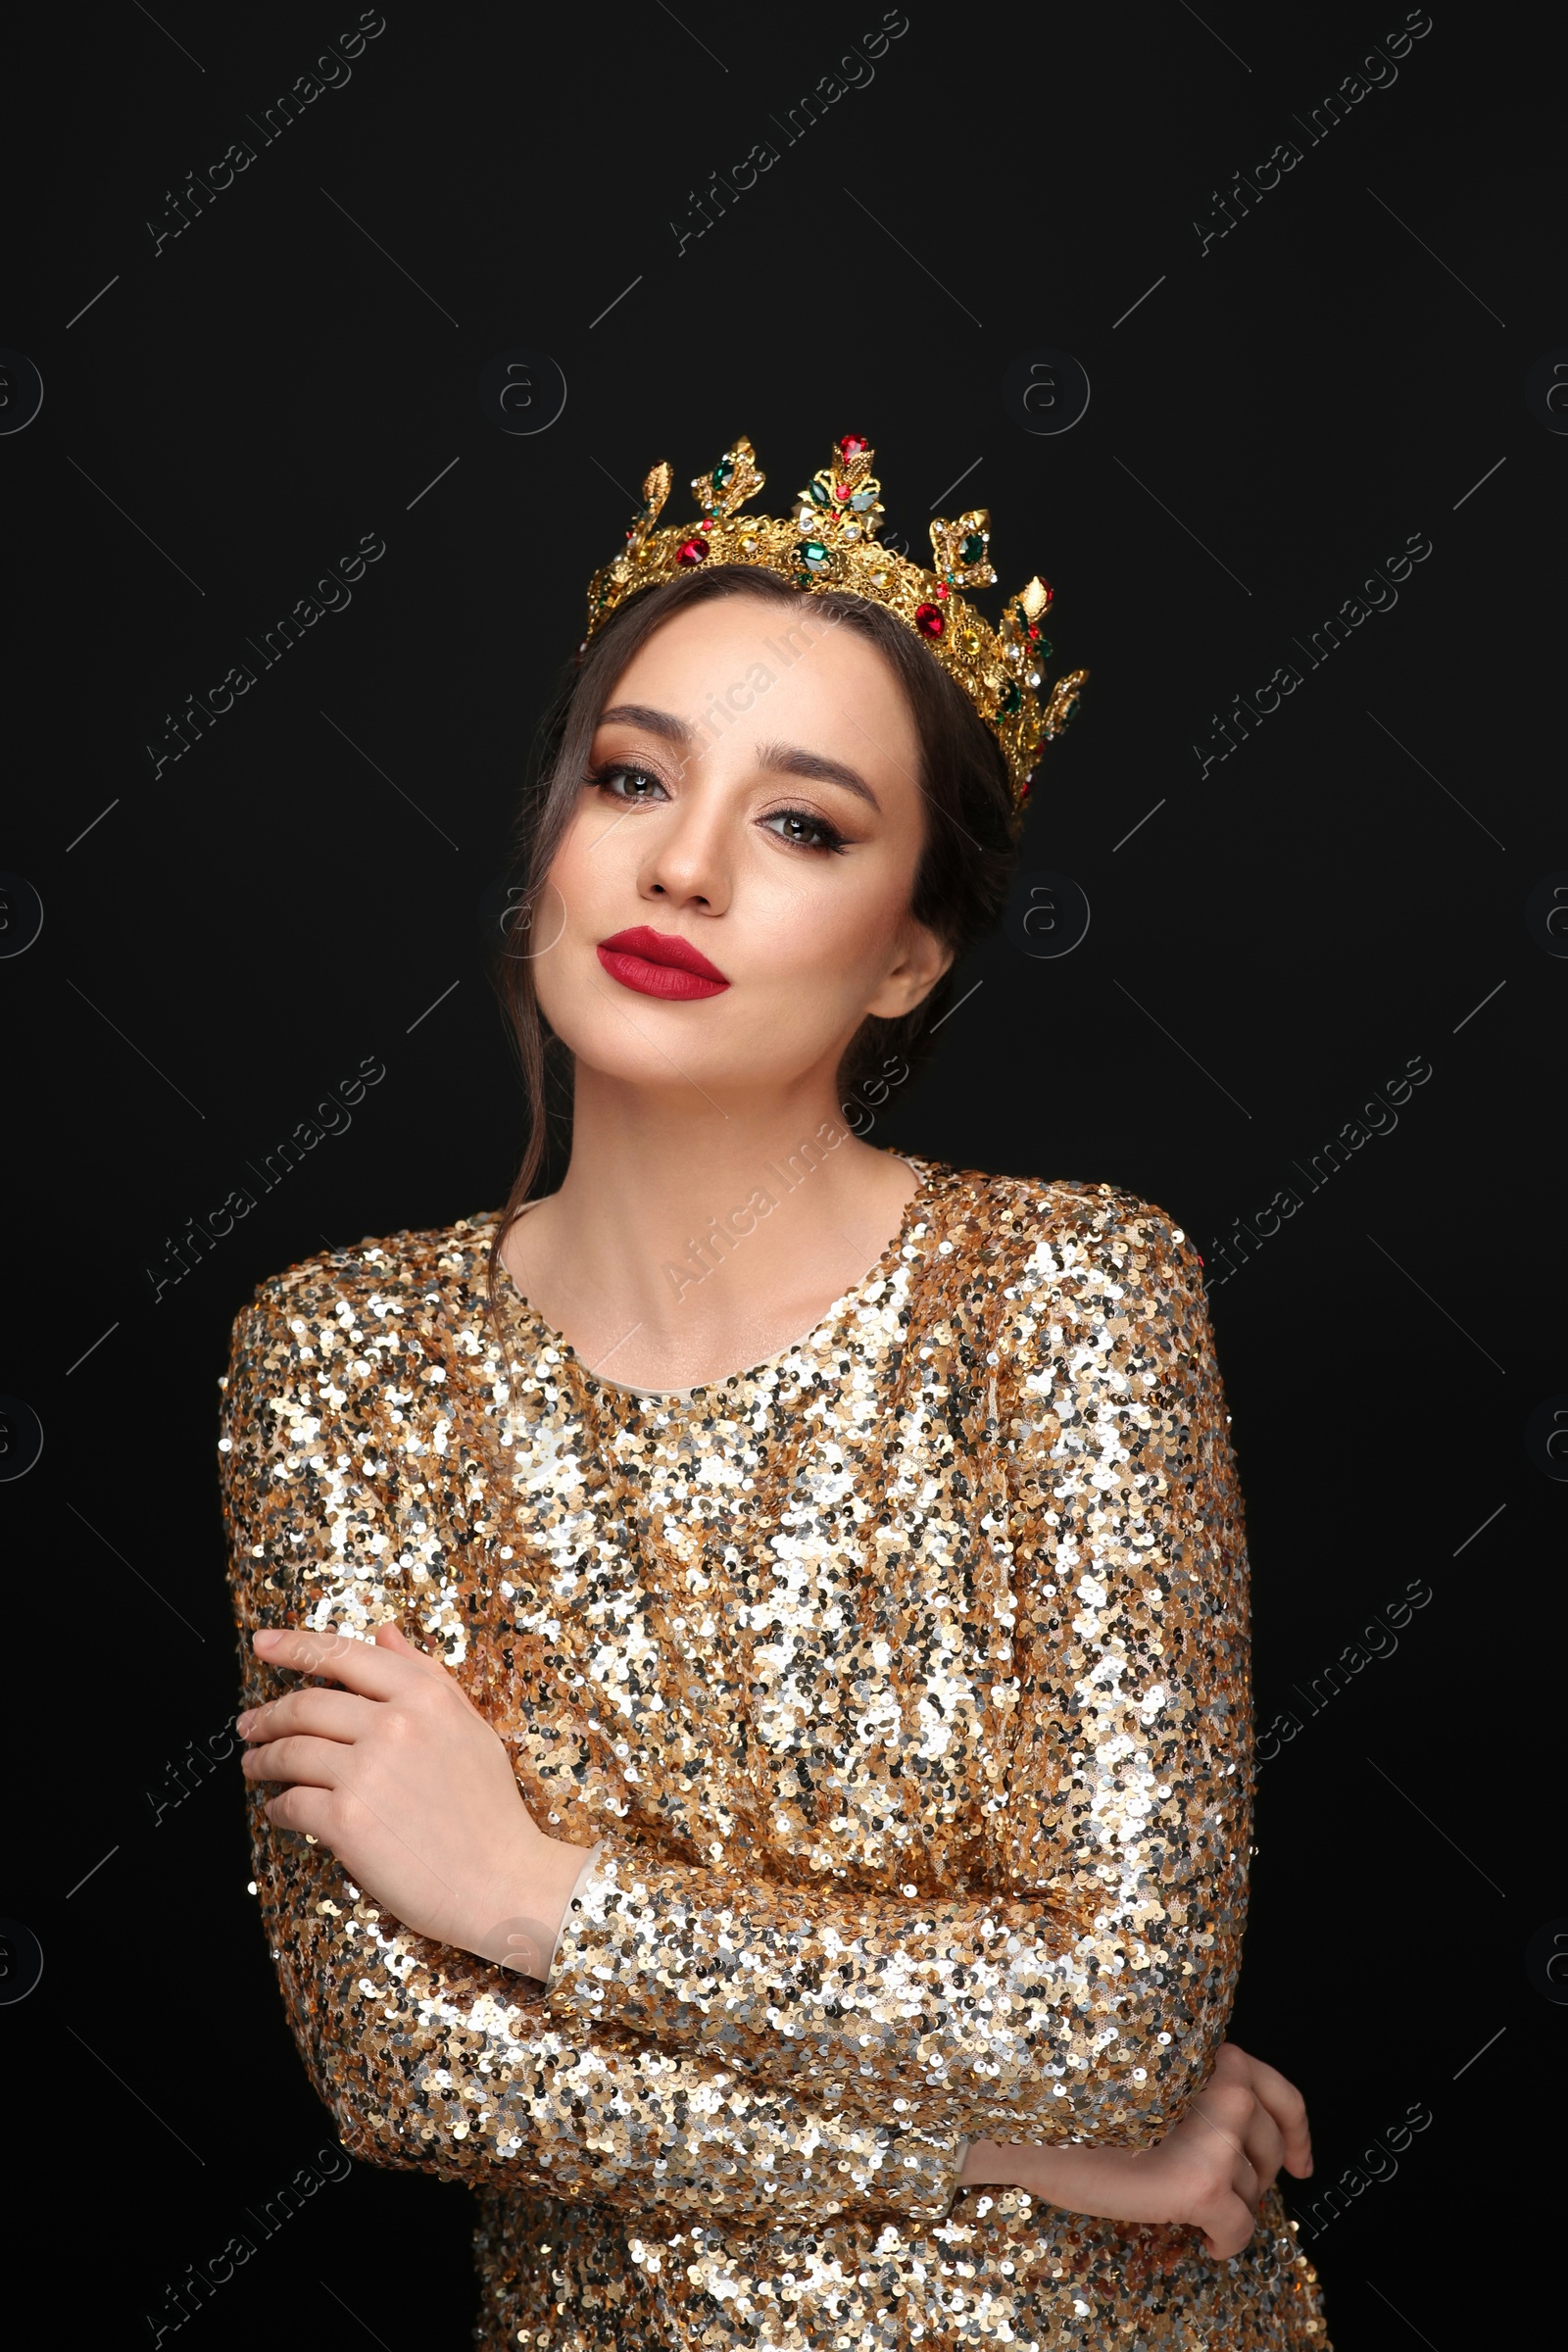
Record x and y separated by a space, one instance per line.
1044 650
1012 700
803 579
973 548
723 474
813 553
818 492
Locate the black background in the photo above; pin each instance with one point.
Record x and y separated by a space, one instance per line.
1344 893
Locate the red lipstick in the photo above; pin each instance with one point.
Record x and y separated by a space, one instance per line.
657 963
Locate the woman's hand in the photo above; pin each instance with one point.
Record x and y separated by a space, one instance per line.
400 1775
1211 2170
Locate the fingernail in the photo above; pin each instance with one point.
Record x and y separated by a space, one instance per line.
267 1641
242 1723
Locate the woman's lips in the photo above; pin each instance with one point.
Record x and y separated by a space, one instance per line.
657 963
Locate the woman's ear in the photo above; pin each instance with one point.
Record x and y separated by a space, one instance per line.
920 962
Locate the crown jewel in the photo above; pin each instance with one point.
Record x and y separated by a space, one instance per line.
830 542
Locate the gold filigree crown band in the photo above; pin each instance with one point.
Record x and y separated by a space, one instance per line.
830 542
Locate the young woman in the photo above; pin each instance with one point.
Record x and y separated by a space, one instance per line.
747 1655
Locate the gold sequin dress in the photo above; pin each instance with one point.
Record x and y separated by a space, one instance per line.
903 1683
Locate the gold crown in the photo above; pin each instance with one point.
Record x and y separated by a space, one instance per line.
830 542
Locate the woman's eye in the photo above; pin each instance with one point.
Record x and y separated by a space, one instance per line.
808 831
623 783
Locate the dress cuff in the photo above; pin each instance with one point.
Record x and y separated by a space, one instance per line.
588 1861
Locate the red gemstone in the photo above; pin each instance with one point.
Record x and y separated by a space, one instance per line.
1033 631
842 491
929 621
854 445
942 592
705 525
695 551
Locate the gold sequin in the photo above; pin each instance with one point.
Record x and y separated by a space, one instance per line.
903 1683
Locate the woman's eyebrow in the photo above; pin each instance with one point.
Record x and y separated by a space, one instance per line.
788 759
642 714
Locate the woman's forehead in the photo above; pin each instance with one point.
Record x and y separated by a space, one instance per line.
740 653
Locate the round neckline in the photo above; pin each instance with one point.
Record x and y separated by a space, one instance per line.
523 1308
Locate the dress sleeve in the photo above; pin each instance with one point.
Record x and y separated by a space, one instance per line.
1080 1987
428 2058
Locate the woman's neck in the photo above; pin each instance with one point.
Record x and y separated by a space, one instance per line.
690 1241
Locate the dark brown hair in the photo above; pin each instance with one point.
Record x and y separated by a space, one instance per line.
960 885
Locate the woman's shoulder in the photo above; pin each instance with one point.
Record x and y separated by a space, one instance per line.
376 1275
1068 1219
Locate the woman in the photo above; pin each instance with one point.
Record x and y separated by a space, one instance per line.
770 1812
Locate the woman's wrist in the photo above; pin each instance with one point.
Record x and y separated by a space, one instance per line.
1121 2184
526 1929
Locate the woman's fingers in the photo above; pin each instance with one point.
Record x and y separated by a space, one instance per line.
375 1669
314 1763
1265 2147
329 1714
304 1809
1283 2101
1228 2224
